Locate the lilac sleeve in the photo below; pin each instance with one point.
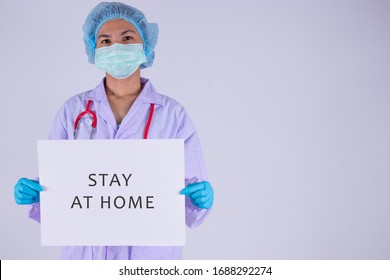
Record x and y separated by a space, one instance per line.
195 170
35 212
57 131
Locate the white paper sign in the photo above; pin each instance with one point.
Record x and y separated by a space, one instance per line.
112 192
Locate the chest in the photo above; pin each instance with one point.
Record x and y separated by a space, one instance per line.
133 125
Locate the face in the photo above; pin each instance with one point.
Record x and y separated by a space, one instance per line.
117 31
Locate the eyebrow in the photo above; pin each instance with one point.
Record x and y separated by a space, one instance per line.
123 33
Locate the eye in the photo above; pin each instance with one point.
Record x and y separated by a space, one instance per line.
127 38
105 41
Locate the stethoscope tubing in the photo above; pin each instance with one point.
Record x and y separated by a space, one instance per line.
94 120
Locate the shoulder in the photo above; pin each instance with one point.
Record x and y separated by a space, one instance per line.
76 99
172 104
164 102
170 110
79 100
173 110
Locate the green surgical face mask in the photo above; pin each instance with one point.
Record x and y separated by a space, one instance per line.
119 60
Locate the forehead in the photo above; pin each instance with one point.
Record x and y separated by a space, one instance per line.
116 26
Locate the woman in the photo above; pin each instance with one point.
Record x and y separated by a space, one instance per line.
119 40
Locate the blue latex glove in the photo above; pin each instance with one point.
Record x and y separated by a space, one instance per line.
26 191
201 194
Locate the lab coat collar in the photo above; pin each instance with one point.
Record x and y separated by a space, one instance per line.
148 94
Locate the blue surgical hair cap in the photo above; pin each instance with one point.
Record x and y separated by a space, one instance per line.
106 11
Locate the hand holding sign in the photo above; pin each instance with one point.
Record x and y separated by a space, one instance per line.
26 191
201 194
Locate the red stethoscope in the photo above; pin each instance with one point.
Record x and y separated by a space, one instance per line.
92 114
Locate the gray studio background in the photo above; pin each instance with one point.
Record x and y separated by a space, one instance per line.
290 99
